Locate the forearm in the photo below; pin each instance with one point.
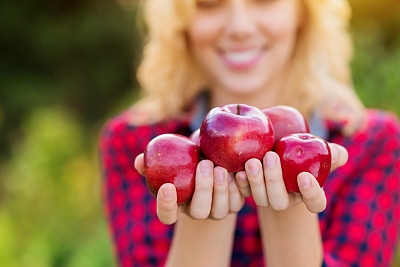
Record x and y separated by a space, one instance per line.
291 237
202 242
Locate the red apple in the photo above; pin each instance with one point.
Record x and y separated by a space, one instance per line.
286 120
232 134
171 158
303 152
195 137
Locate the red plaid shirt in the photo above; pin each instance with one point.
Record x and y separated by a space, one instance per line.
360 226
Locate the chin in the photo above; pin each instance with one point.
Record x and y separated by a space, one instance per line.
243 86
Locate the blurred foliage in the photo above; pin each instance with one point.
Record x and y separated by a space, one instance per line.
68 65
65 66
376 63
52 216
73 53
376 72
380 18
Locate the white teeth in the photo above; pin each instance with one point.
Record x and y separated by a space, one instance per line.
241 57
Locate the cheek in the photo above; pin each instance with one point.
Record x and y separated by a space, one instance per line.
203 31
282 28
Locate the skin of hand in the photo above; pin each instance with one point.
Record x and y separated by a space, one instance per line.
219 193
216 194
268 189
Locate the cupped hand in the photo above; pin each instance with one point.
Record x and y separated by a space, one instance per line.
265 183
215 195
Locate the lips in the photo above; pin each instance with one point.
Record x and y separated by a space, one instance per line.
241 59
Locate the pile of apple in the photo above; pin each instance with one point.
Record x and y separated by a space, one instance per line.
229 136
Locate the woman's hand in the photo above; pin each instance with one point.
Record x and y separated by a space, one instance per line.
268 189
215 196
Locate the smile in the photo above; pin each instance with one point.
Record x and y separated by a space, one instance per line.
241 59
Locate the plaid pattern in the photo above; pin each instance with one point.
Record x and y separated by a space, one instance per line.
360 226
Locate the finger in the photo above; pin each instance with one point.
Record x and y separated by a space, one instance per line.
200 205
236 199
220 200
256 180
277 195
243 183
139 163
313 195
167 208
339 155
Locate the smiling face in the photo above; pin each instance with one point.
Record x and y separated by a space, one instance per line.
244 47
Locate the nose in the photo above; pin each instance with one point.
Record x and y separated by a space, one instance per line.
240 22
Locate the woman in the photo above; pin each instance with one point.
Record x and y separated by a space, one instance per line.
206 53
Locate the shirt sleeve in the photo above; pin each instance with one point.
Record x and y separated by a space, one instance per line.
360 226
138 237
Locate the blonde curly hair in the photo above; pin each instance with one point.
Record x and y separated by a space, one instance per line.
320 75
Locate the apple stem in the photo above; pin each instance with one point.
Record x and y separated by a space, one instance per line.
238 109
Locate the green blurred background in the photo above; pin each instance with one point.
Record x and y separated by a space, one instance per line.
65 67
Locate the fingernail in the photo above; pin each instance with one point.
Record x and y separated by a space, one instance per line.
334 153
241 176
253 168
167 193
219 177
270 160
205 168
304 181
